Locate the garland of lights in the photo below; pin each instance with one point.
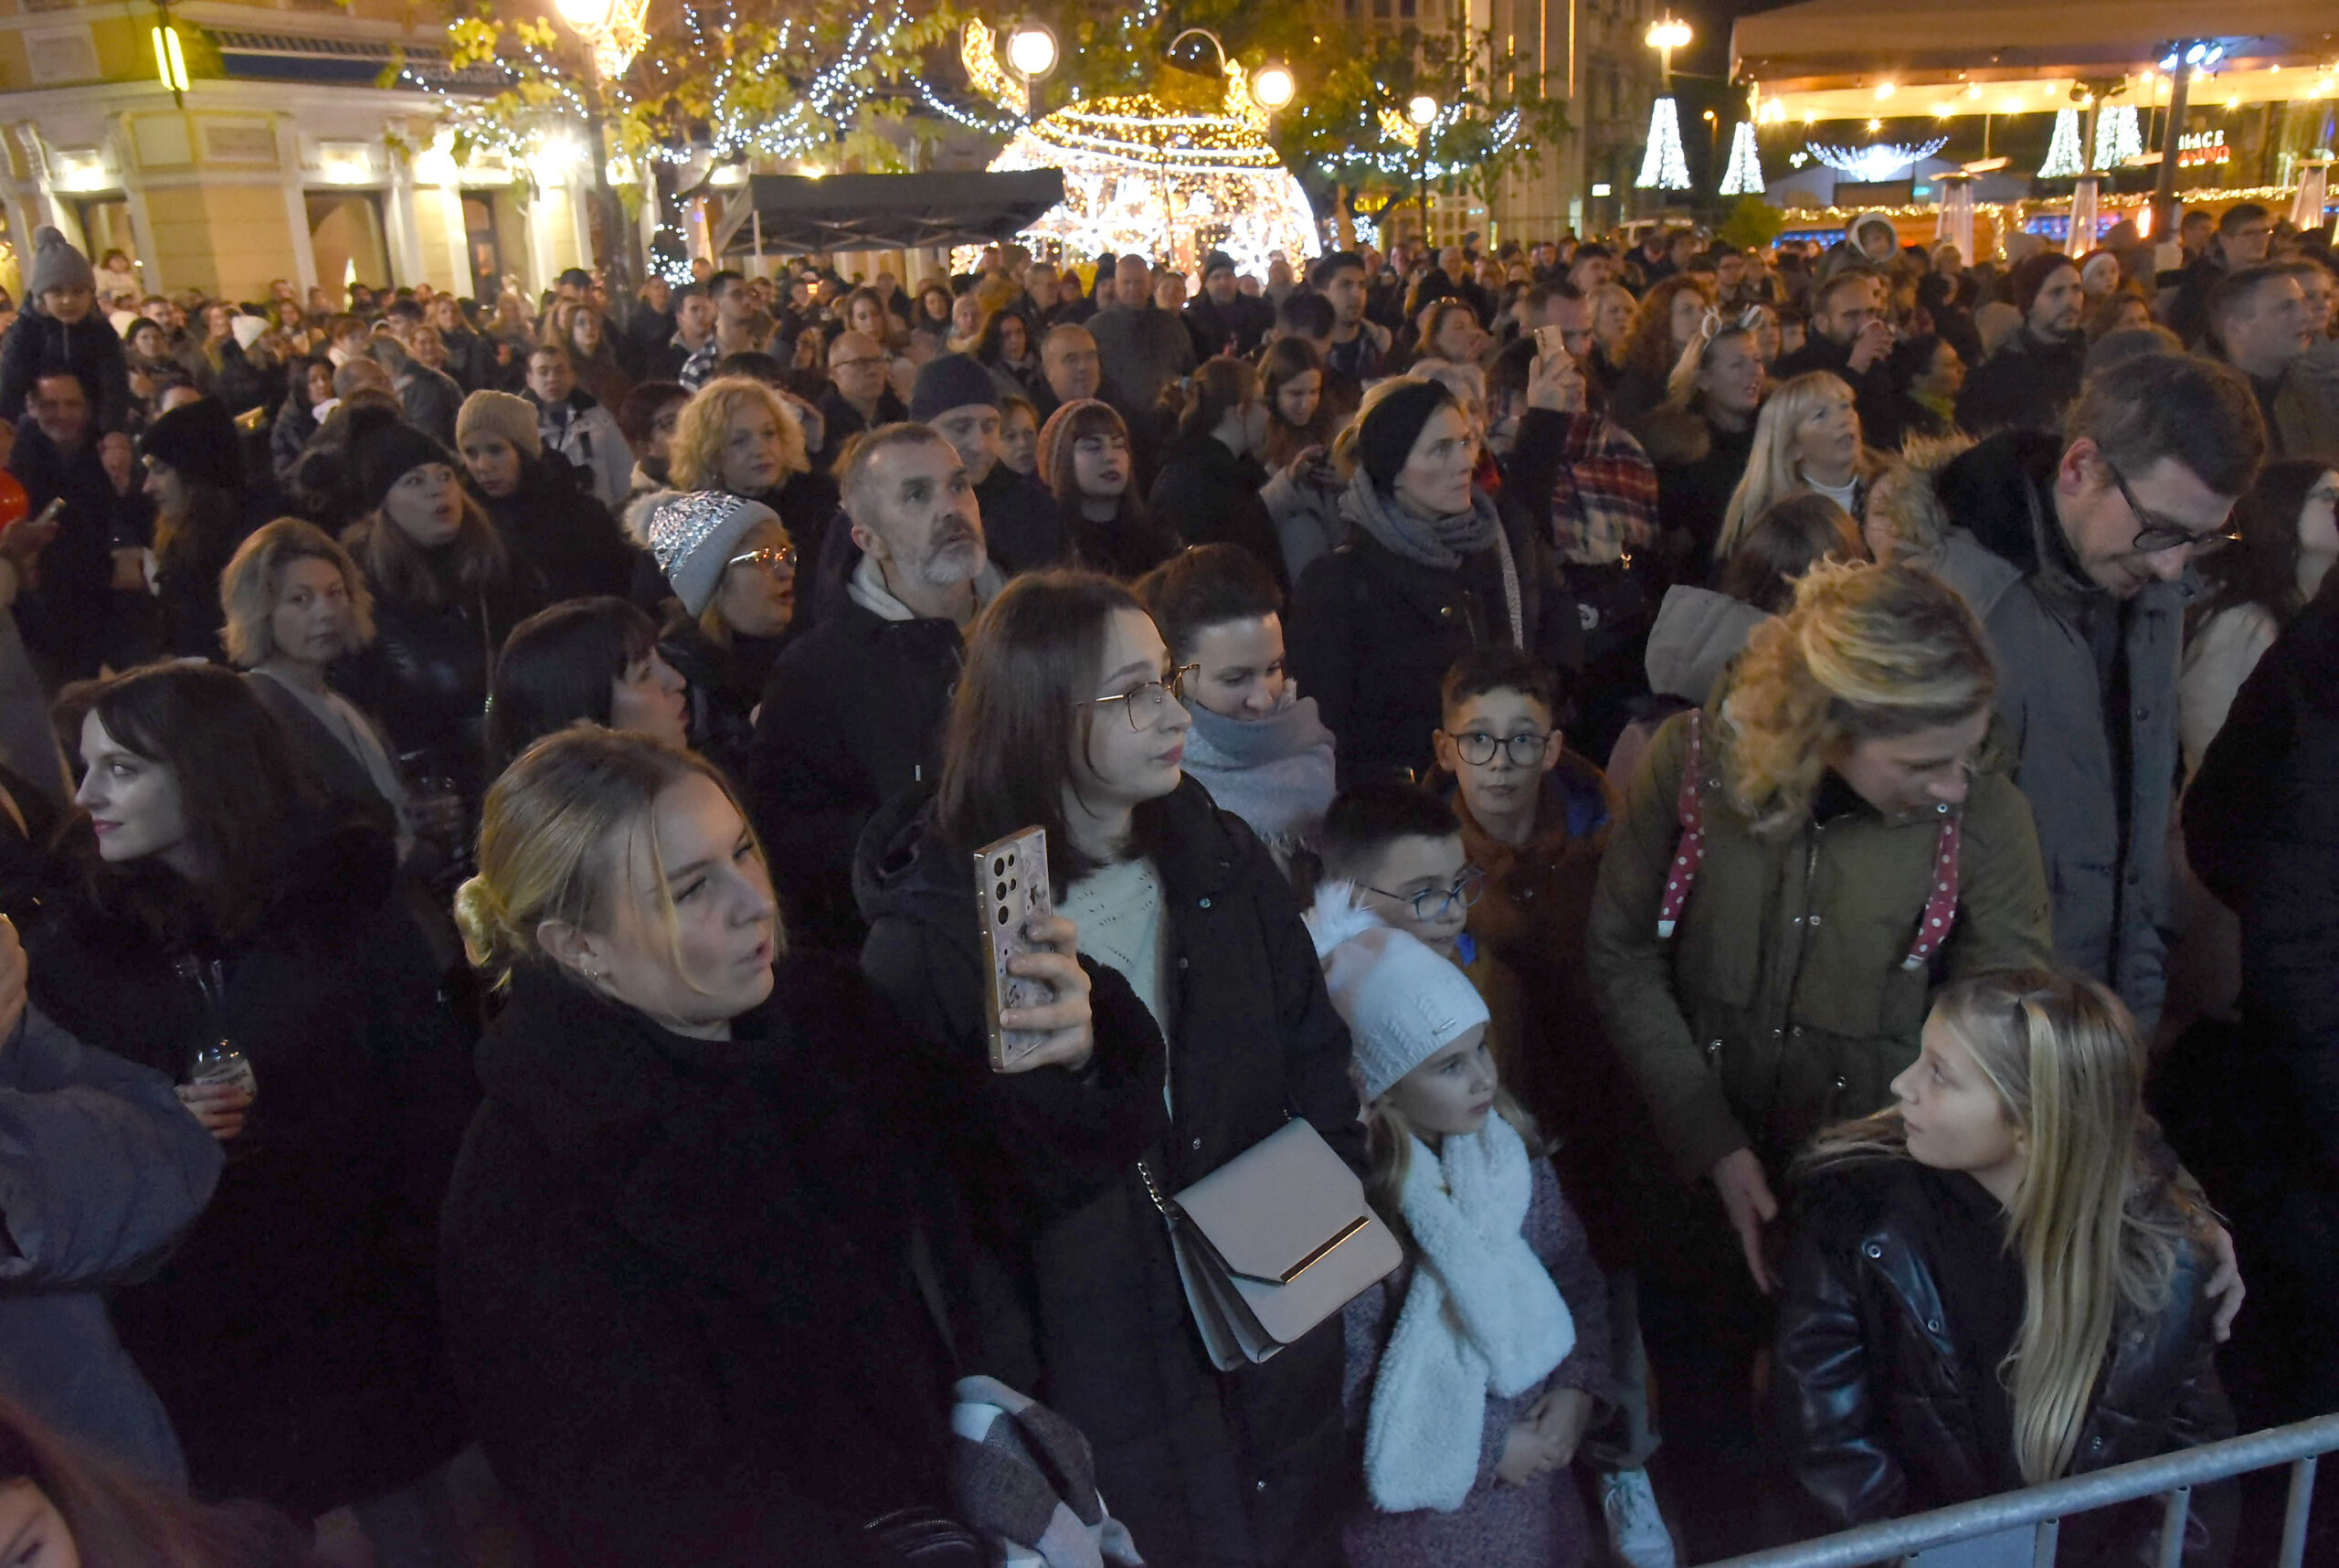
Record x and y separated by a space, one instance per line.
1140 177
1663 167
1744 177
1872 165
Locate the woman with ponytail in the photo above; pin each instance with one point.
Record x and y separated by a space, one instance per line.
1797 865
1208 489
677 1260
2011 1204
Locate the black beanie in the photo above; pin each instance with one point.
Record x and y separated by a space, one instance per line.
197 440
1386 435
385 455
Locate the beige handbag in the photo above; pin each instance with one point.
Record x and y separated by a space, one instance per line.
1272 1242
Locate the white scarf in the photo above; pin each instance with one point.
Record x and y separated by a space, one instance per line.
1481 1313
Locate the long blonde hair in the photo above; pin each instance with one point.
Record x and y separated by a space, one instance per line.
2095 1229
1389 1147
1866 652
695 457
1771 469
553 838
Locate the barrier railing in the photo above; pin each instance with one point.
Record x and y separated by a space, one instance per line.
2170 1476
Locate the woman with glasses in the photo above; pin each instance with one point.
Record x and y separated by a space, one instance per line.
1069 717
732 572
1793 870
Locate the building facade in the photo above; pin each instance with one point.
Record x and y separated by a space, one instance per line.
283 157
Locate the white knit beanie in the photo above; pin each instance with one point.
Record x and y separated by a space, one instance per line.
1403 1002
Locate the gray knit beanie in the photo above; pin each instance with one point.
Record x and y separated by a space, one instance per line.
694 535
500 414
57 265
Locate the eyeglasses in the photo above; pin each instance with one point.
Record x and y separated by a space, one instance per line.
1146 703
1434 903
1478 747
863 363
769 560
2155 534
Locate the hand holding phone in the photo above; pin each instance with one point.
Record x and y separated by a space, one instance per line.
1551 345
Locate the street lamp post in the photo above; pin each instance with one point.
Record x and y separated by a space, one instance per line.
613 34
1032 56
1666 35
1422 110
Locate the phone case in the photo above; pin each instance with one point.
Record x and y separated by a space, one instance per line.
1011 892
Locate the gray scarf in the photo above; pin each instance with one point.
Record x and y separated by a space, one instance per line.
1439 543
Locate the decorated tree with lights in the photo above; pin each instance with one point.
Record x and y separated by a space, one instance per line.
707 83
2064 157
1744 176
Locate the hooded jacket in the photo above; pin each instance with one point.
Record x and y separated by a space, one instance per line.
1780 1003
100 1170
2102 824
1246 1468
1697 633
292 1335
677 1279
1877 1374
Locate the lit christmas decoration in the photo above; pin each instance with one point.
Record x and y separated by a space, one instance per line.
1873 164
1744 177
1663 167
1142 177
2063 152
2117 138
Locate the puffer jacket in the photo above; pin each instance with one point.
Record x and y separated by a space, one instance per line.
2009 560
1780 1003
1697 633
1874 1397
1247 1467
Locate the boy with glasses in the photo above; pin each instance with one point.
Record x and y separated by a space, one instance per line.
2076 551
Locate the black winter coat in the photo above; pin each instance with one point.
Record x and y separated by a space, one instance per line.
2025 386
1244 1469
852 716
1022 530
72 618
677 1282
555 523
36 342
425 677
1878 1413
1371 634
1212 497
292 1336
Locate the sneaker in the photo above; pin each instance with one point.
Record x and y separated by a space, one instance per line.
1635 1530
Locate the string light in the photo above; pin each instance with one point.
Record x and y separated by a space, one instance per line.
1663 167
1744 176
2117 136
1874 164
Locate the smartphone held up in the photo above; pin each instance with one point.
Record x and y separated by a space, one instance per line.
1012 895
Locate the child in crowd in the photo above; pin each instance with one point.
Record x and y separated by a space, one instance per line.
1533 818
1257 746
61 328
1474 1371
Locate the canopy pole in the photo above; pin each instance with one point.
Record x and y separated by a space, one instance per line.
2172 136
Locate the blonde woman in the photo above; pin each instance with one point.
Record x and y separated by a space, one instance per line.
1807 437
739 436
1766 938
681 1178
1994 1283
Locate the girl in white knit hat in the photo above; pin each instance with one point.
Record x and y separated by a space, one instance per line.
1474 1370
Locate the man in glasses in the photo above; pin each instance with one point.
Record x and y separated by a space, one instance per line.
853 712
857 398
2073 549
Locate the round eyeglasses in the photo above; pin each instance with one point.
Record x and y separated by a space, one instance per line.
1147 702
1434 903
1478 748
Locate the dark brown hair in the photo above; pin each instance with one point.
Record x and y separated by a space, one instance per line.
2262 568
1794 534
1022 709
557 668
1287 359
1207 586
1217 387
1498 668
239 786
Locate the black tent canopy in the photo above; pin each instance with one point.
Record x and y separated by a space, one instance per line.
799 214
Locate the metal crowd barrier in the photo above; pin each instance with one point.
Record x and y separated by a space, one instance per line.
2171 1477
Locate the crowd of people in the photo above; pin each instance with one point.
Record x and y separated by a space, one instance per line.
1773 808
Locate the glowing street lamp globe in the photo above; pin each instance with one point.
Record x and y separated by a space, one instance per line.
584 16
1421 110
1273 86
1031 49
1668 32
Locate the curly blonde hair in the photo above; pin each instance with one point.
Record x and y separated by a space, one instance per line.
695 457
1867 653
